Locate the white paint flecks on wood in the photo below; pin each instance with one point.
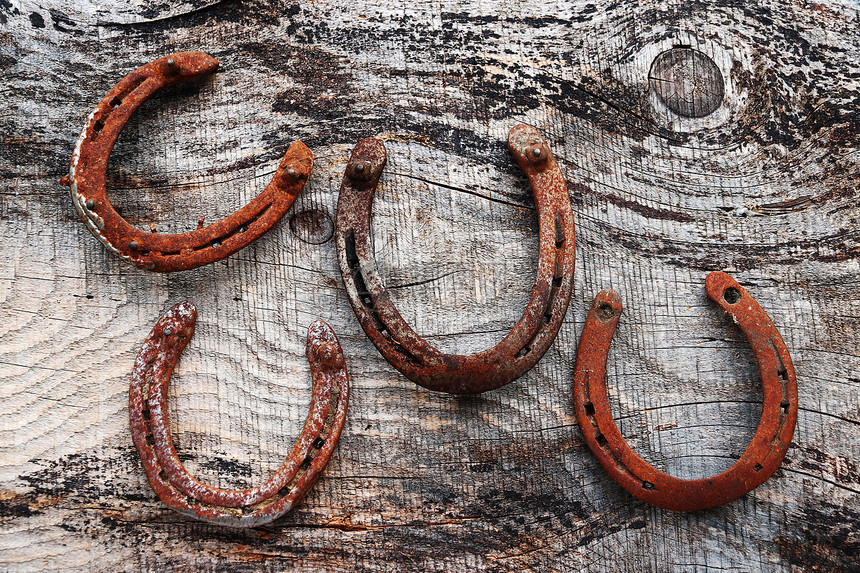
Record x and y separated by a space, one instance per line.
764 187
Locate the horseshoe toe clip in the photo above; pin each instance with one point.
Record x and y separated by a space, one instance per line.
520 350
763 455
150 429
169 252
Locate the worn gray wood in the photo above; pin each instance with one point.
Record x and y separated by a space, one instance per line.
765 187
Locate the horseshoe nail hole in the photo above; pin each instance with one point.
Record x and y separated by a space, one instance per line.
732 295
306 463
312 226
115 102
783 374
556 282
601 439
162 475
605 310
243 228
97 126
589 409
351 255
523 351
377 321
146 413
247 510
216 244
647 485
361 287
559 233
757 467
783 406
406 354
133 86
547 318
318 443
150 441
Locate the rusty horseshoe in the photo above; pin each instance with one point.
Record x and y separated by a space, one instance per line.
150 428
521 349
169 252
766 450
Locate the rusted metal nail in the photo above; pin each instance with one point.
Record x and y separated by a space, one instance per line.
150 428
538 154
764 453
521 349
133 245
91 205
363 173
169 252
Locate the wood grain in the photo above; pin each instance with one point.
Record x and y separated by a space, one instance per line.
765 187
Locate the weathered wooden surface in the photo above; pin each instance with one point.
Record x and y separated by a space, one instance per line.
765 186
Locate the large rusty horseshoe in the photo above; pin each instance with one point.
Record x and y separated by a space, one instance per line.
150 428
767 448
521 349
169 252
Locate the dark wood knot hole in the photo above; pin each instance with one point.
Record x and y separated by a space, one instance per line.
687 81
312 226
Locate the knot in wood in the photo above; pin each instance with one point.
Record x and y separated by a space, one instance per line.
687 81
312 226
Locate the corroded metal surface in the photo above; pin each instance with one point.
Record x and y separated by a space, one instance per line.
766 450
521 349
150 428
180 251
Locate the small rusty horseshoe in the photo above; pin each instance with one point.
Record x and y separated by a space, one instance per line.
767 448
521 349
150 428
181 251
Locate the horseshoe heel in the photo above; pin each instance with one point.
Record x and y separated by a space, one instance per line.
520 350
150 429
169 252
764 453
